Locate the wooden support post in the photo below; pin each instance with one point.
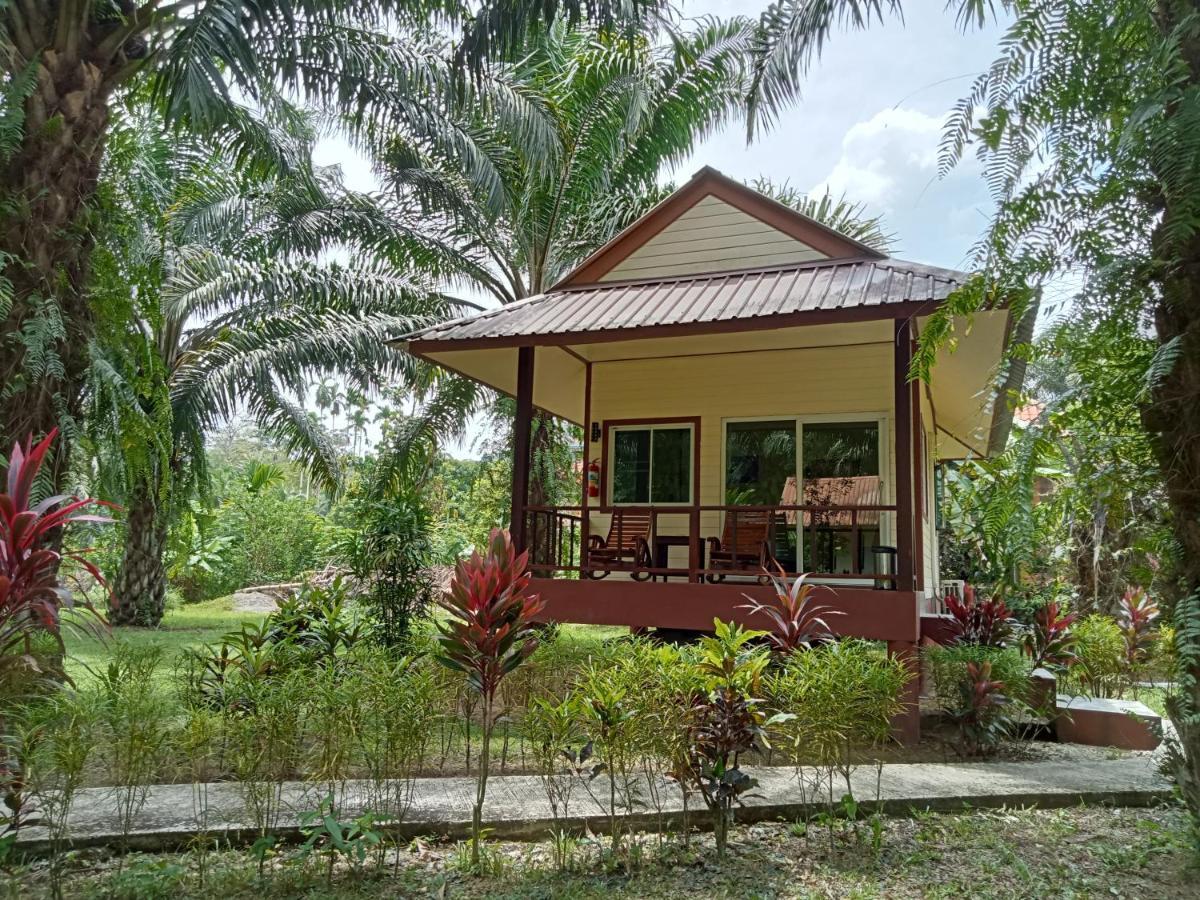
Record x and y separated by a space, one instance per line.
919 487
521 437
906 727
585 516
902 348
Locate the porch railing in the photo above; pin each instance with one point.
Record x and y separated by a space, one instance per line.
558 539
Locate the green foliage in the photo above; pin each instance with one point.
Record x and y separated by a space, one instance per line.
388 550
726 721
325 835
839 699
982 689
1101 670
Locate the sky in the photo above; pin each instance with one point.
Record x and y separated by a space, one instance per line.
867 125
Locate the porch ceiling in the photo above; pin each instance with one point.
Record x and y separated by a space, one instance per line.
961 391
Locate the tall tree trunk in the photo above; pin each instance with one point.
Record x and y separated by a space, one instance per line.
46 186
141 584
1173 418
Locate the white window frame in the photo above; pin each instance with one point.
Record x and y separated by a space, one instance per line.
611 451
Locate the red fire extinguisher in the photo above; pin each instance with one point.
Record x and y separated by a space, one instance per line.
593 478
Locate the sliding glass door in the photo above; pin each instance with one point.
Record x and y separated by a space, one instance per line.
840 464
760 461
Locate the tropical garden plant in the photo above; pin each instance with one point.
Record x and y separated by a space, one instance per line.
727 720
796 620
490 631
1050 641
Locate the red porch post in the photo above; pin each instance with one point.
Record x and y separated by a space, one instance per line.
521 427
906 727
902 347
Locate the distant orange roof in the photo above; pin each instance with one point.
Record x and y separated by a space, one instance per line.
1029 412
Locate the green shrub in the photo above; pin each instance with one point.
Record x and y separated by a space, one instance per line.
1100 646
961 671
840 697
1163 659
948 666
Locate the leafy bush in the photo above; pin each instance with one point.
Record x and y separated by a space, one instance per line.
1101 651
981 689
1050 642
795 620
838 698
1137 615
389 551
249 537
987 623
981 712
727 721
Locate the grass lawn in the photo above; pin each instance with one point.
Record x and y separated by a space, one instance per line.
182 626
1017 853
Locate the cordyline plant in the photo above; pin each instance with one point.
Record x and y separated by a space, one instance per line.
726 722
796 620
32 596
986 623
982 716
1050 643
1137 615
489 633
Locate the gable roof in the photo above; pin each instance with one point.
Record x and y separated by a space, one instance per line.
825 290
706 187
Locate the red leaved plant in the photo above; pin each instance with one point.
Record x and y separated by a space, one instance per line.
1050 643
489 633
32 596
986 623
796 620
981 715
1136 617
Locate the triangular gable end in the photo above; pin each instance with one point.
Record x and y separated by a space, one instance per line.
713 224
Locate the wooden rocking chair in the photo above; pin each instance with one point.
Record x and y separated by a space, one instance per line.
627 547
755 538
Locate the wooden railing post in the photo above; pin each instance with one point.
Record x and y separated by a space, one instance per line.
695 562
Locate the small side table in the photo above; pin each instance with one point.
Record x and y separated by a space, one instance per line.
662 549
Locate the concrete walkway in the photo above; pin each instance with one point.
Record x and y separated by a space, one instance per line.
517 808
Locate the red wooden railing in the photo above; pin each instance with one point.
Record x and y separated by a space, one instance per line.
558 536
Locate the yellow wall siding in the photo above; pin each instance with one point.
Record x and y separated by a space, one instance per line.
788 383
712 236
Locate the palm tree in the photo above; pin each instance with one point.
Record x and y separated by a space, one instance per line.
612 116
230 310
65 66
615 117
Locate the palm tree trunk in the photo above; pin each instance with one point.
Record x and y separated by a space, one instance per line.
46 185
141 585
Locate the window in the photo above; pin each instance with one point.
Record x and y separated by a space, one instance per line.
652 464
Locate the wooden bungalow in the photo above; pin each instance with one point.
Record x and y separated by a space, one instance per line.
740 374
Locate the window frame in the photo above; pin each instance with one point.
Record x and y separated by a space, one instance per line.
666 423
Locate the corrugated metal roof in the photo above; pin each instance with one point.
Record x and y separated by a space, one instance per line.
818 286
